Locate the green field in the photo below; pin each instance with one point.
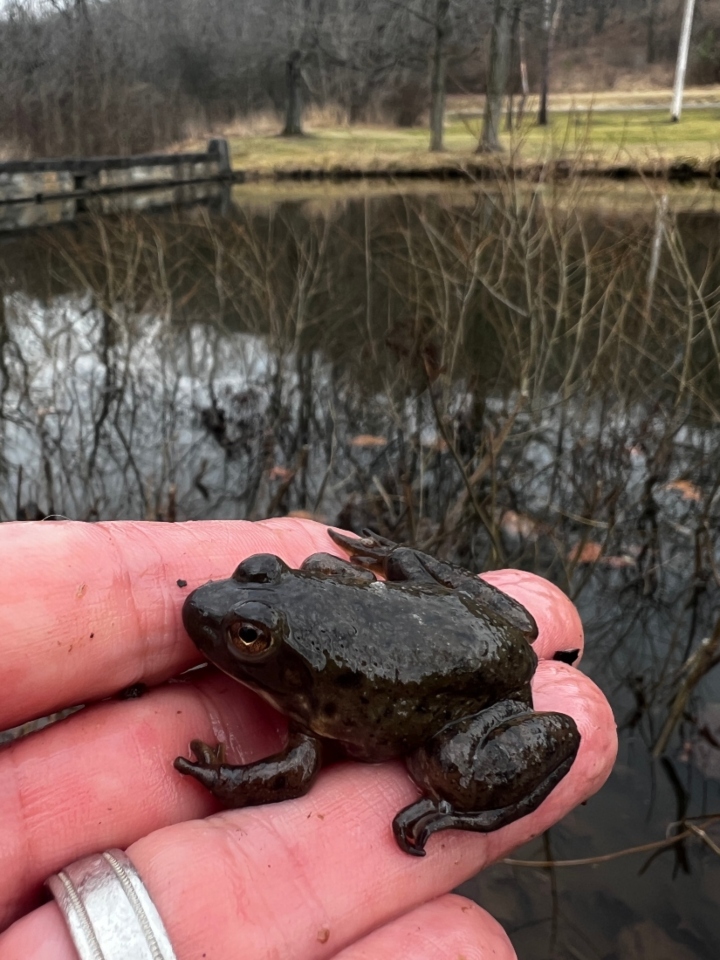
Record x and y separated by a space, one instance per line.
591 132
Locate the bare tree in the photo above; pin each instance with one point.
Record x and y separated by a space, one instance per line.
293 91
498 69
652 11
439 70
552 11
518 63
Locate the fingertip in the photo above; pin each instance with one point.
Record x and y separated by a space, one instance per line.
559 624
557 686
450 926
40 935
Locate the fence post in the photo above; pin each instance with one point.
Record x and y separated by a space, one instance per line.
220 149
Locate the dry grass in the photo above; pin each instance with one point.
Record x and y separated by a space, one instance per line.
600 129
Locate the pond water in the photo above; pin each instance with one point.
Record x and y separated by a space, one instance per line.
506 375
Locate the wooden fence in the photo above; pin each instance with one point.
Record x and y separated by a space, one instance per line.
71 178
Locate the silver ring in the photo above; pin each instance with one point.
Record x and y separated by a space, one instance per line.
108 911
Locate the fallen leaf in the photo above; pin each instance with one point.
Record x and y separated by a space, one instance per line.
686 489
280 473
585 553
516 524
368 440
619 562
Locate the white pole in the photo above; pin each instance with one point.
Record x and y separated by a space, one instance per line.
682 59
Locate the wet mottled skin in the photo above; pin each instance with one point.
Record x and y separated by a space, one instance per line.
431 664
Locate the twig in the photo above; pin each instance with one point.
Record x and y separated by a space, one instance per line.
690 830
695 667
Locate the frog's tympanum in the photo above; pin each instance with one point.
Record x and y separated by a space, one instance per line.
430 664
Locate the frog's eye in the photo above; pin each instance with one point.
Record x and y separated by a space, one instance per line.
261 568
248 638
254 629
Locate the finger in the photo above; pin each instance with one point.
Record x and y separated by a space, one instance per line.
125 751
450 927
41 935
104 777
559 624
279 875
87 609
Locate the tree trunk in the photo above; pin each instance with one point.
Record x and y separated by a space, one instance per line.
293 87
524 83
514 60
551 19
651 18
497 77
601 10
437 77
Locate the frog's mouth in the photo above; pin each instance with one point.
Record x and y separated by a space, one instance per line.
203 614
232 632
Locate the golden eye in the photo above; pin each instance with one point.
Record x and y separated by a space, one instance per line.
248 639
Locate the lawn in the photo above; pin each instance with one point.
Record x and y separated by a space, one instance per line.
598 131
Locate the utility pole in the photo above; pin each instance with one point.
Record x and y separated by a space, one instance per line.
682 59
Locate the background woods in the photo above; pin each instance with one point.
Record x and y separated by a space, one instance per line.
125 76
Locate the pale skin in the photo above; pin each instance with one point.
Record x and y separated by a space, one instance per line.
86 610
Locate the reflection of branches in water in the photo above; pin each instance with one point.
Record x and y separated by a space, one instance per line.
481 374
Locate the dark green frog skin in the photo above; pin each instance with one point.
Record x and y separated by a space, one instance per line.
432 665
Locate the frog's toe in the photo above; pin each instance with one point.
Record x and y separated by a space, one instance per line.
410 845
413 826
208 775
208 756
370 549
377 540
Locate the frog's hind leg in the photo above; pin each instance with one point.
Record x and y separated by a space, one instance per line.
414 825
373 552
404 563
486 771
333 568
479 590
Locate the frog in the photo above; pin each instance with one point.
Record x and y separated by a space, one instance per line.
389 654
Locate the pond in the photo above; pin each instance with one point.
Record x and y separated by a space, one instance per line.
506 374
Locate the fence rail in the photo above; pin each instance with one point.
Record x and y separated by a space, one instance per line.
73 177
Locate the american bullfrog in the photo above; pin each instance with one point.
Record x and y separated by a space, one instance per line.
430 664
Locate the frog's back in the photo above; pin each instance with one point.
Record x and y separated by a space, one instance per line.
407 634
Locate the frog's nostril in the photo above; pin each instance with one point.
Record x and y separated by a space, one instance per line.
567 656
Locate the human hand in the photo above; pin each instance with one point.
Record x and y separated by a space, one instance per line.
86 610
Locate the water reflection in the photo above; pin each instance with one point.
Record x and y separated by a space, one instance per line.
482 372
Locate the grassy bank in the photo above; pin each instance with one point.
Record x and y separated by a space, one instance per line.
605 129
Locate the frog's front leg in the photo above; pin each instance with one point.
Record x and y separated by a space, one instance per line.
284 776
486 771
